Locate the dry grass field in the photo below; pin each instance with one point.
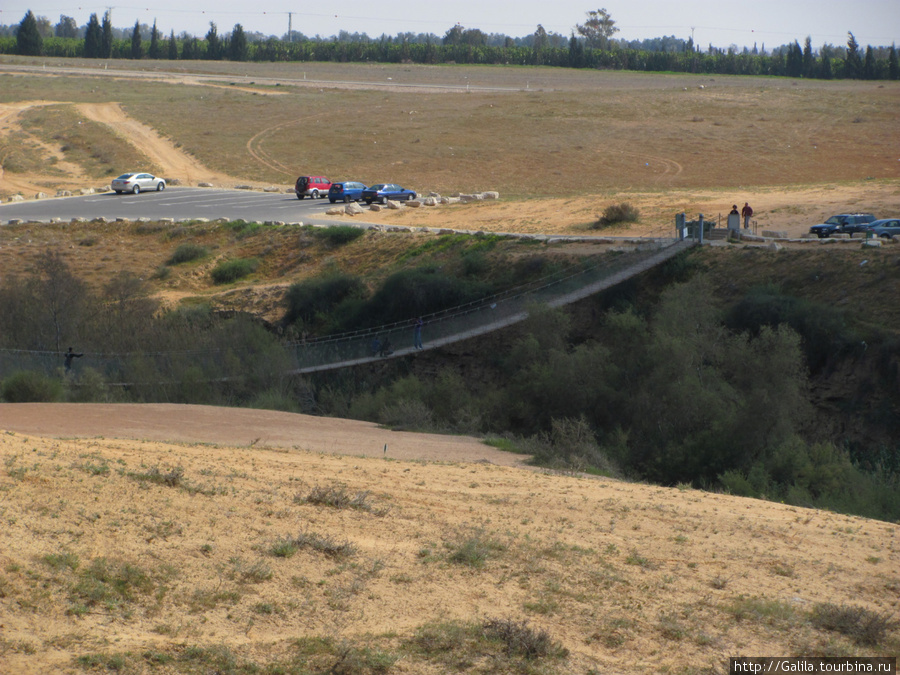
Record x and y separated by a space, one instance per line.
796 150
300 555
193 543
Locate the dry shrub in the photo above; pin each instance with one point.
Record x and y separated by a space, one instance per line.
617 213
520 639
863 626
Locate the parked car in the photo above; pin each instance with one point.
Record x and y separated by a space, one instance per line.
886 228
346 191
846 223
312 187
380 192
135 182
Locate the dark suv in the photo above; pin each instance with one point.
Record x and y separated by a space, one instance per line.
845 223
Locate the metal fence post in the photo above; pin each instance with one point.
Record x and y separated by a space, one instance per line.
700 227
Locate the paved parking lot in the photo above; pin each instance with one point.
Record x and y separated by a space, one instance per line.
174 202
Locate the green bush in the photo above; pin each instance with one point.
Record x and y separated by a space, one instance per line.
824 328
232 270
310 300
274 399
187 253
338 235
30 387
570 445
475 550
416 292
617 213
242 228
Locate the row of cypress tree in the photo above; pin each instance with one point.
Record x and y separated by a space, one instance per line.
98 42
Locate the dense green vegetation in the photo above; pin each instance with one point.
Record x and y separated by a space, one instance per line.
658 379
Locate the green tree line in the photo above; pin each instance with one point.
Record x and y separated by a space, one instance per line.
459 46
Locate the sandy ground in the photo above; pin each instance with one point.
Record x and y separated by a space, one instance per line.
99 560
242 427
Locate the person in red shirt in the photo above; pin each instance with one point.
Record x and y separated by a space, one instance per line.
746 212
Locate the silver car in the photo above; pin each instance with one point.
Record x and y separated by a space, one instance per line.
135 182
886 228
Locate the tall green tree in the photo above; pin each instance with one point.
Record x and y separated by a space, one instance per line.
93 39
825 70
794 64
453 36
154 51
869 65
106 36
576 52
893 65
66 28
539 42
136 51
237 45
809 61
28 39
598 29
213 44
853 60
190 48
173 47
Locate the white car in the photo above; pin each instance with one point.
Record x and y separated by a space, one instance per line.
135 182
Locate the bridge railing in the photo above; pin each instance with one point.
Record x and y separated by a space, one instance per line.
478 317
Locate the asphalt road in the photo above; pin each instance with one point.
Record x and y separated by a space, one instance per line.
180 203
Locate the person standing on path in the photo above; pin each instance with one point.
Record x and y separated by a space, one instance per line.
746 213
417 333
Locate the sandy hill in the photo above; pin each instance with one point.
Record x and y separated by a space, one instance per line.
303 556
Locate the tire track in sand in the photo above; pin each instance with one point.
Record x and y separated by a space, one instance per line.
671 168
255 149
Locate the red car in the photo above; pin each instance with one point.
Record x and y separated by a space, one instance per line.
312 187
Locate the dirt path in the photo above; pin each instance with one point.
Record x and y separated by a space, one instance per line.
242 427
174 163
8 114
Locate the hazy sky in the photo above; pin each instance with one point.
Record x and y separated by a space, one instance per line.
720 22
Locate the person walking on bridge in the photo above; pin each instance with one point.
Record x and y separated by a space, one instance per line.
417 333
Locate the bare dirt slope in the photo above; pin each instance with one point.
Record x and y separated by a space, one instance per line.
125 553
241 427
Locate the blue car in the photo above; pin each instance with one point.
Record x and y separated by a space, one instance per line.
886 228
381 192
346 191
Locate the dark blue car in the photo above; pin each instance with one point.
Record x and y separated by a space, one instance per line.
380 192
346 191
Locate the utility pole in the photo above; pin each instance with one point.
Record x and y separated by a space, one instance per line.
290 32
